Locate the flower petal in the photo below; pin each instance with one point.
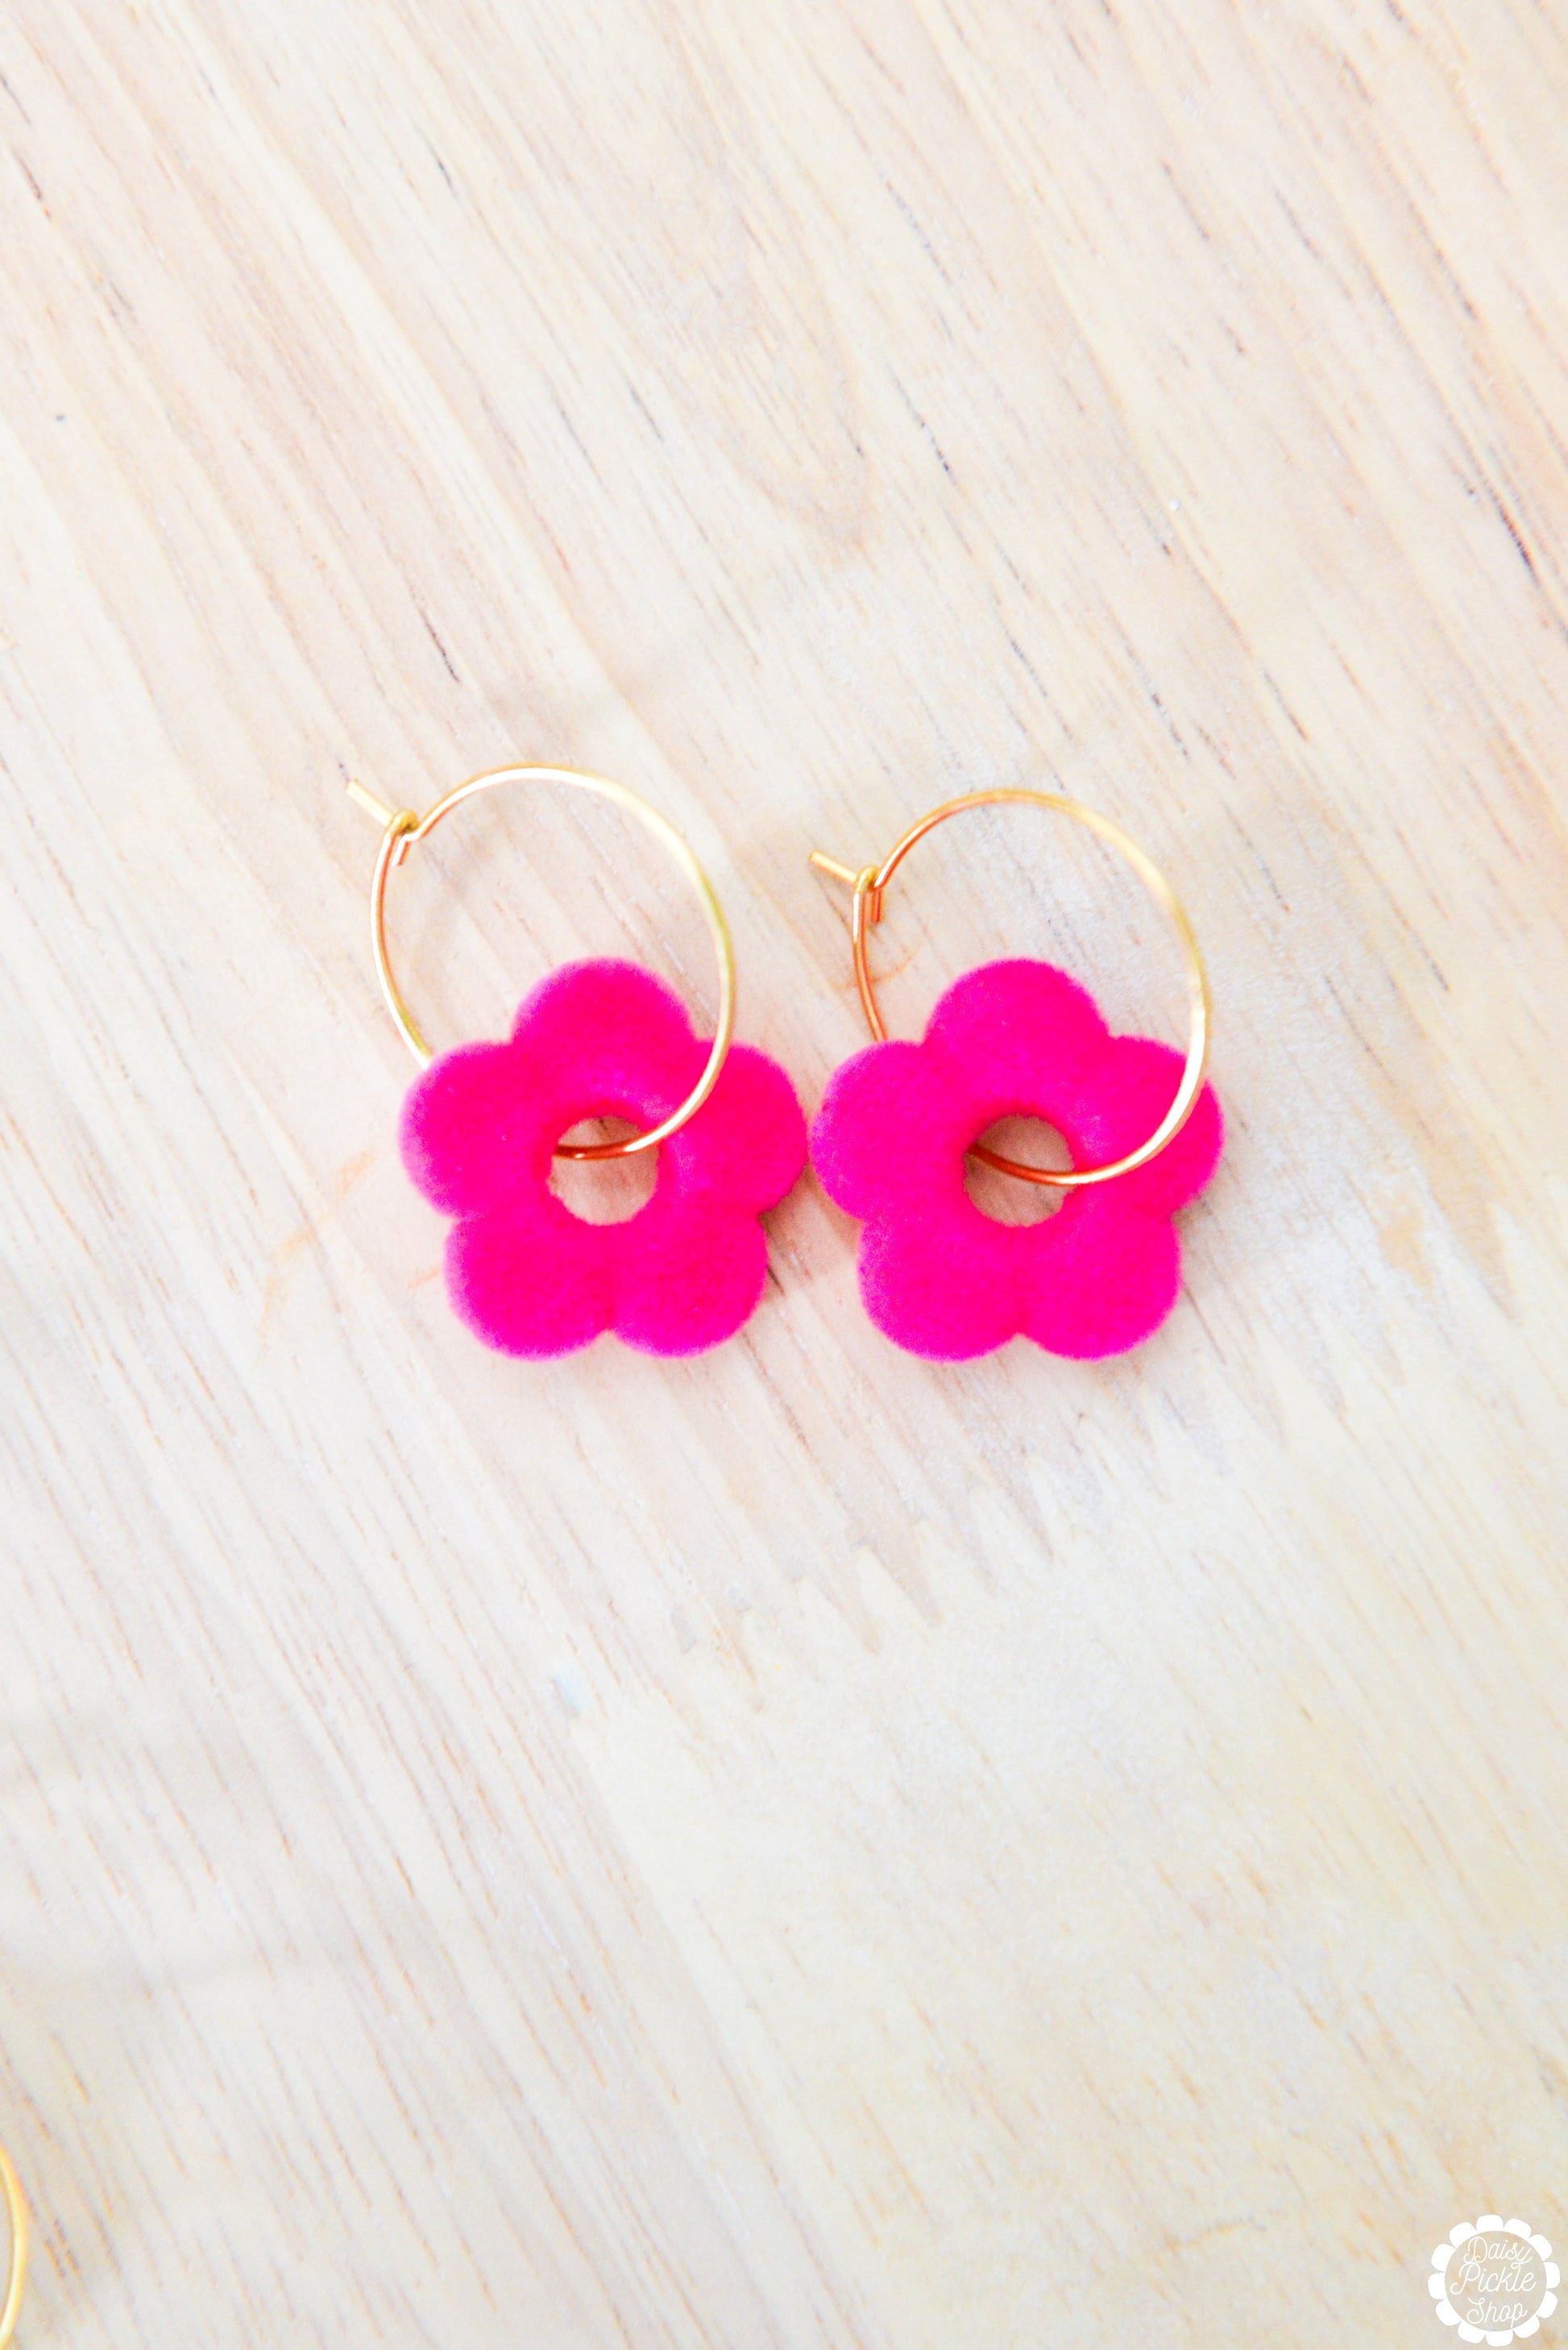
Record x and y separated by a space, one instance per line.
1136 1087
747 1143
471 1134
944 1284
688 1271
1101 1279
593 1039
890 1134
530 1278
1028 1038
607 1036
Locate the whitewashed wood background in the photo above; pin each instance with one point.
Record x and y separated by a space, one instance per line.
800 1849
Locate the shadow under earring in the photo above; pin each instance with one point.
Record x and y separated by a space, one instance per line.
1017 1039
596 1039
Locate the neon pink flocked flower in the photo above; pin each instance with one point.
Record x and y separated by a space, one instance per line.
479 1129
1013 1039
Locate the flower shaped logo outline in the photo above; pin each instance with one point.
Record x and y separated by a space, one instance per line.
940 1279
1438 2281
479 1129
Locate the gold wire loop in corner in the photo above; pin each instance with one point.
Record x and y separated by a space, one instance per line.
402 830
870 884
16 2275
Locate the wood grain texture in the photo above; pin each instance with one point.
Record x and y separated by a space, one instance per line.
802 1848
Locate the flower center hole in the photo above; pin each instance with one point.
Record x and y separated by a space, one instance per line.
1008 1199
604 1190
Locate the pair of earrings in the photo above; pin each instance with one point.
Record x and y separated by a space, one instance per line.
481 1124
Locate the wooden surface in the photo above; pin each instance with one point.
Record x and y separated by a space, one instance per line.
800 1849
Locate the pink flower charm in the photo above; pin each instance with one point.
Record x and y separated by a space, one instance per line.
480 1127
1013 1039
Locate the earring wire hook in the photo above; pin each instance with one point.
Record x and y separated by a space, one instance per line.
869 883
402 830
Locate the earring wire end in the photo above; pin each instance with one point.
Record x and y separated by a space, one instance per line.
830 865
863 883
367 800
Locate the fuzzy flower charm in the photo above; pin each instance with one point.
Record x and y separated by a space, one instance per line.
479 1130
1013 1039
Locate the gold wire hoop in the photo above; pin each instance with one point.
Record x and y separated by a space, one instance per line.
17 2276
402 829
869 883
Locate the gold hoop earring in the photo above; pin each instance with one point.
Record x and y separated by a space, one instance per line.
599 1039
1016 1039
17 2274
402 829
869 883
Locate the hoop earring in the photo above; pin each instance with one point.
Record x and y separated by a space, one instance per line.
1014 1039
481 1126
17 2274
